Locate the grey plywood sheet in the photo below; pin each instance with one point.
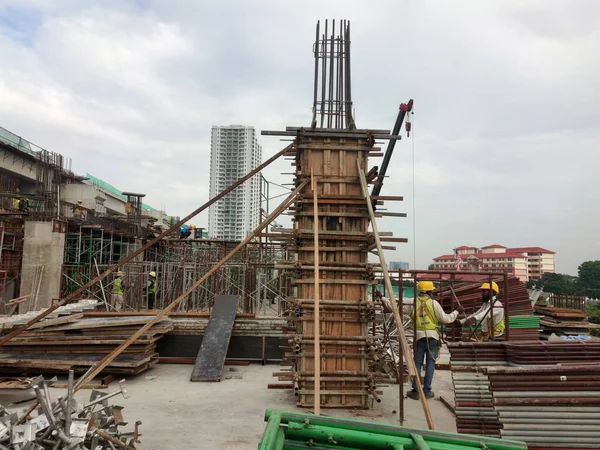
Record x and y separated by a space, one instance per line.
213 350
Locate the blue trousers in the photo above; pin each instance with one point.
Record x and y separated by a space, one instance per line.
426 348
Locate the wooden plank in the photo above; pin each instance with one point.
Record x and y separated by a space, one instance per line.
211 357
317 313
57 321
104 322
410 362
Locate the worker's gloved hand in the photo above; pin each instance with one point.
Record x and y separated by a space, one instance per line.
468 321
458 322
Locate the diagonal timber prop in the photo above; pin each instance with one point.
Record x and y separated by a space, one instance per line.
410 362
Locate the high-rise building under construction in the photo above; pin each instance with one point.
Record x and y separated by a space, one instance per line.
234 152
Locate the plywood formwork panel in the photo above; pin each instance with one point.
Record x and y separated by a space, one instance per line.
344 273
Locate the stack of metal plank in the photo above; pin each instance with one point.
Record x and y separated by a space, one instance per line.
76 342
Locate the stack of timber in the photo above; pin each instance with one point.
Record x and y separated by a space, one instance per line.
562 321
469 296
63 314
75 342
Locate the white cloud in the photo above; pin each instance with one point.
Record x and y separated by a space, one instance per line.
505 95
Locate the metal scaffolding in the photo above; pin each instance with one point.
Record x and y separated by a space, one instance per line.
251 274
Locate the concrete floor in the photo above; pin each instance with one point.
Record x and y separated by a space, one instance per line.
177 413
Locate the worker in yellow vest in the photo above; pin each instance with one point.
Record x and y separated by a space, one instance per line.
118 289
483 316
427 313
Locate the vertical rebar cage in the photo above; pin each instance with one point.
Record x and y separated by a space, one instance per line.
332 101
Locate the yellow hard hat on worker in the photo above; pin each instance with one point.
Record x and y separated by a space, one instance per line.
152 274
495 288
119 274
425 286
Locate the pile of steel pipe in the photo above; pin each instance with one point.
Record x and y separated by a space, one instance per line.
474 408
306 431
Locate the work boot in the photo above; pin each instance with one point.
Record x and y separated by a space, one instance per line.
413 394
430 395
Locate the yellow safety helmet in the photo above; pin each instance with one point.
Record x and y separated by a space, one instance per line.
119 274
425 286
495 287
152 274
79 201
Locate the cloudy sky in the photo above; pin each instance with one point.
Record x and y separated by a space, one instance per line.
506 123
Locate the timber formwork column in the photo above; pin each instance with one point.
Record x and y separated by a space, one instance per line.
329 151
344 278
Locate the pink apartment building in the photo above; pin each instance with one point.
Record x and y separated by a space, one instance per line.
526 263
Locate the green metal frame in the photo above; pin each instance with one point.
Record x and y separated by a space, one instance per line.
292 431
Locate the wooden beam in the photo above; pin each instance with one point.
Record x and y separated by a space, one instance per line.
410 362
317 312
98 367
391 198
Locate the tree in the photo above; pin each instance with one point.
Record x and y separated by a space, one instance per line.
593 312
589 278
557 283
431 267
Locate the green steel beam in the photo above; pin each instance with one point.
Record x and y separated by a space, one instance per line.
431 437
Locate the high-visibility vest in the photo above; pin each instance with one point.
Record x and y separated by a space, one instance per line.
425 314
498 328
118 286
152 288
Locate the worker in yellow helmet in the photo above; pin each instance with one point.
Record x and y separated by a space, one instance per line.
151 289
483 316
78 211
118 289
427 314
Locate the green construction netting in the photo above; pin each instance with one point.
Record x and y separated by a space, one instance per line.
113 190
15 141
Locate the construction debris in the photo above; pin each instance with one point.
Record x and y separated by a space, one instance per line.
66 423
